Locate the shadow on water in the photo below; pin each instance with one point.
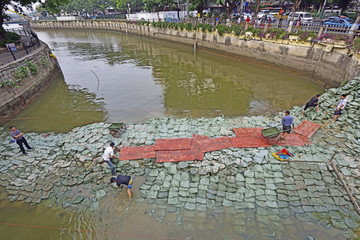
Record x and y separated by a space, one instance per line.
137 78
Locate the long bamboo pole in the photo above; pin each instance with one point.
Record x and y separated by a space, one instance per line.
353 200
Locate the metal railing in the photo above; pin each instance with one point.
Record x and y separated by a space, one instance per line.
28 43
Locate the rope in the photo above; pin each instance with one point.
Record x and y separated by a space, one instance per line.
86 230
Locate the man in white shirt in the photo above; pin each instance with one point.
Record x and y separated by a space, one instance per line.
108 155
340 107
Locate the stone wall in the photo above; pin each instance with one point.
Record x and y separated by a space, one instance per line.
330 64
15 99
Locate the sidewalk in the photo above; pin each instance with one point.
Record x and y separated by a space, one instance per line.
6 57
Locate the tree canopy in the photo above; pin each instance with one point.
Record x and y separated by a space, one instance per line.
52 6
88 6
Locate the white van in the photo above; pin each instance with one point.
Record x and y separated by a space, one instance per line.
305 17
262 13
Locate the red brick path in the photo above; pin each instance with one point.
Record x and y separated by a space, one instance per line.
133 153
186 149
306 128
172 144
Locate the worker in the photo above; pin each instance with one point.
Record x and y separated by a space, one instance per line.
287 122
20 139
340 107
313 102
108 155
123 179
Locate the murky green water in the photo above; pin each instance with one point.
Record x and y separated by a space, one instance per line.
126 78
117 218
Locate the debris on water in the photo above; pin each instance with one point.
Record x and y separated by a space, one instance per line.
160 219
188 238
309 237
150 213
271 234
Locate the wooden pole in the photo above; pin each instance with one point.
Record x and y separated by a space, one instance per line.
353 200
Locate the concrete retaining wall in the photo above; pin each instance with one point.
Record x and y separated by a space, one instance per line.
15 99
331 65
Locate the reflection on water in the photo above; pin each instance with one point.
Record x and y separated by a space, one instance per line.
137 78
60 109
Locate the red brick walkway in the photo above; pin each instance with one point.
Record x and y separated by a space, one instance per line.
306 128
186 149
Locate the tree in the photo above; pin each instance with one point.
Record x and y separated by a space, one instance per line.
200 5
52 6
229 5
357 21
134 5
257 5
342 4
156 5
294 9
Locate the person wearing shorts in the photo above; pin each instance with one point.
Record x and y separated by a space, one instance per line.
340 107
313 102
123 179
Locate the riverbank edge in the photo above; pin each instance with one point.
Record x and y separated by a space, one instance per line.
327 62
13 100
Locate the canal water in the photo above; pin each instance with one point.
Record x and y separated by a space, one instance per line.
124 78
115 77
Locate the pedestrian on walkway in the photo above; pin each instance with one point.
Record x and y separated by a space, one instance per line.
123 179
340 107
287 122
313 102
280 21
108 155
19 138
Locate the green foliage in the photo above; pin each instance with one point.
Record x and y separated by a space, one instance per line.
255 31
238 29
143 22
275 33
52 6
355 46
198 26
160 24
9 38
7 83
188 26
34 69
173 25
181 26
12 36
223 29
21 72
207 27
44 61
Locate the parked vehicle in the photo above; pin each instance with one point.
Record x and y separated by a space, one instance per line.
245 15
272 17
335 17
340 22
262 13
305 17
